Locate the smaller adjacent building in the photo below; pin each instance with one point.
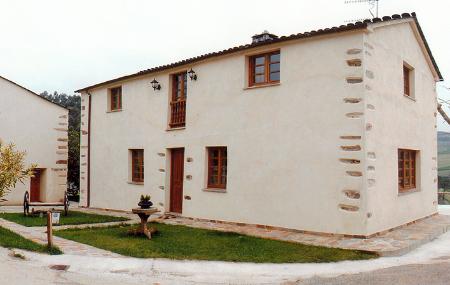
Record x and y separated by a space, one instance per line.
39 127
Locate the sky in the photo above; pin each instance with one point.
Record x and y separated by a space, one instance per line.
64 45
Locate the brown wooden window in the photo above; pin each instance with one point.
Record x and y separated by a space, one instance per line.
115 98
178 101
217 167
406 169
264 68
406 80
137 165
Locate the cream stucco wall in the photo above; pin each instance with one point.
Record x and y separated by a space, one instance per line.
291 147
38 127
399 122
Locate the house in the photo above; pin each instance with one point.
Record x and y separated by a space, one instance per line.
328 131
39 127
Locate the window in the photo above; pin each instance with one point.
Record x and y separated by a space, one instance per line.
137 165
179 91
115 98
406 169
408 80
178 102
217 167
264 68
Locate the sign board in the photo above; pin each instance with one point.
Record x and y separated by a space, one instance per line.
55 218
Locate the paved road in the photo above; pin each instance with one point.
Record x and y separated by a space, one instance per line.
14 271
415 274
427 265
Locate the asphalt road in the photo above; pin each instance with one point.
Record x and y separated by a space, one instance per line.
414 274
14 271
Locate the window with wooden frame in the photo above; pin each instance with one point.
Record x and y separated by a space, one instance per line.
137 165
217 167
406 169
407 80
115 98
178 100
264 69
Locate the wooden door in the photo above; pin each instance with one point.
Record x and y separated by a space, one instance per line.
176 180
35 186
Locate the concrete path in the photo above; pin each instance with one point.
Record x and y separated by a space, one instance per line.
394 243
163 271
15 271
38 235
87 265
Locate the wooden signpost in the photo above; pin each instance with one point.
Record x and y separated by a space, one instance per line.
49 229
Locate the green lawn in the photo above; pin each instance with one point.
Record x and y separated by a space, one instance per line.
73 218
180 242
10 239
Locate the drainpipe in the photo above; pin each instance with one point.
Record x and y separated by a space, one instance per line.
89 154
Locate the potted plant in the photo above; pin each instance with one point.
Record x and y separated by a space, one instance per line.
145 202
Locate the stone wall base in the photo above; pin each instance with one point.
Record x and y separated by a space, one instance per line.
268 227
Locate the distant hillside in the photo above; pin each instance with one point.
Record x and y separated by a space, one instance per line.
443 139
443 142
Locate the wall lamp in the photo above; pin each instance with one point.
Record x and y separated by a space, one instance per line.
156 85
192 74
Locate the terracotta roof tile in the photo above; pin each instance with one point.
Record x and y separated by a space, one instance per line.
342 28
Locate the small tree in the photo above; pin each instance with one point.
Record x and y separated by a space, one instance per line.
12 168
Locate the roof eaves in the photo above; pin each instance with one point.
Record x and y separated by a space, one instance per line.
343 28
421 34
430 54
33 93
326 31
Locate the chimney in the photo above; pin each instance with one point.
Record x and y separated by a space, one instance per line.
264 36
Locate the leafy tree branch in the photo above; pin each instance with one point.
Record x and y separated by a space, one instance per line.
12 168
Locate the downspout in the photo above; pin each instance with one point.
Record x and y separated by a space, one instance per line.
89 153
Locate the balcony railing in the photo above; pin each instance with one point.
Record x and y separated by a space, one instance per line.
178 114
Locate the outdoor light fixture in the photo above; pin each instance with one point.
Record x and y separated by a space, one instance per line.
156 85
192 74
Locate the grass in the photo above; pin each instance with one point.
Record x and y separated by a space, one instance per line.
180 242
73 218
10 239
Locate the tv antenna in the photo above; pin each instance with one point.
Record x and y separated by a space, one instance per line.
373 5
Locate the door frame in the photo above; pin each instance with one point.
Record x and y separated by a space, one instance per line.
171 196
39 194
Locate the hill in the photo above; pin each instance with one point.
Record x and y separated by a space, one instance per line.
443 140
